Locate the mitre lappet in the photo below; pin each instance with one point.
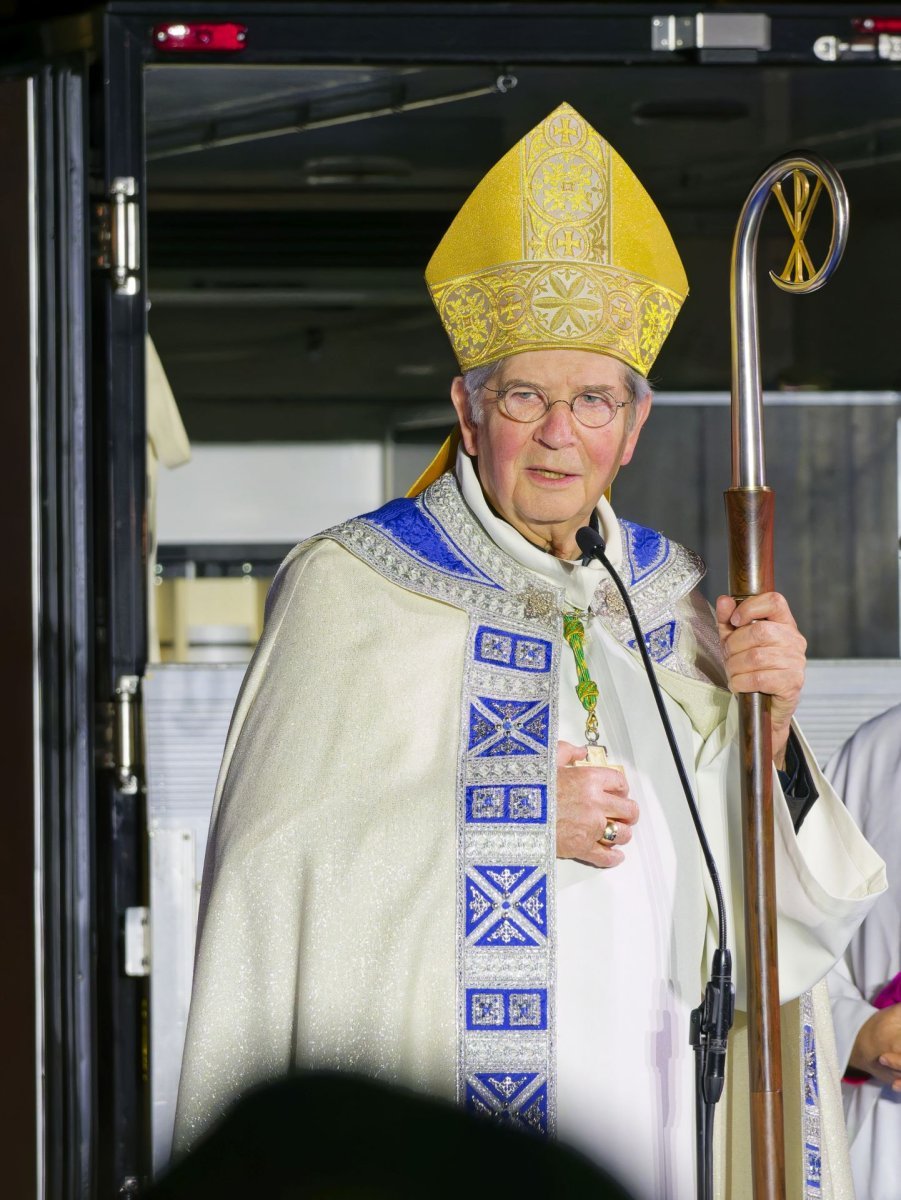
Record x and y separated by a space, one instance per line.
558 247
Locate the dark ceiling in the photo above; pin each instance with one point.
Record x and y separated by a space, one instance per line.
286 267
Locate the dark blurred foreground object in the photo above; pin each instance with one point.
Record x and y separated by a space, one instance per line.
339 1136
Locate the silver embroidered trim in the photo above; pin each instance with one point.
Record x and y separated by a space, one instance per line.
703 626
810 1102
655 600
443 501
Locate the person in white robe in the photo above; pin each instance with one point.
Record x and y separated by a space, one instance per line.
865 986
405 875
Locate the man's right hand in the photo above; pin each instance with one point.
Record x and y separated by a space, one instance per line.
877 1048
587 798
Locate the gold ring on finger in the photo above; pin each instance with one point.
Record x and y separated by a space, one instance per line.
611 832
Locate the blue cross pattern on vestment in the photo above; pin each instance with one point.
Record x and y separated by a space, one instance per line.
497 1009
660 641
507 803
813 1166
509 1097
500 648
507 906
505 728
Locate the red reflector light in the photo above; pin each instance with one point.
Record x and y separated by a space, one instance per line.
877 24
195 37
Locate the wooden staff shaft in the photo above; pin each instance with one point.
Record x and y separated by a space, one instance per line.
749 511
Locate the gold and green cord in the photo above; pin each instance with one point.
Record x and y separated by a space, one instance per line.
586 688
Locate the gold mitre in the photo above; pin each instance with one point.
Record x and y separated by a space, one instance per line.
559 246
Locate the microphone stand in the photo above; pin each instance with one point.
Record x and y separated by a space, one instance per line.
712 1019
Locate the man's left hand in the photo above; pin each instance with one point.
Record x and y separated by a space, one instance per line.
765 652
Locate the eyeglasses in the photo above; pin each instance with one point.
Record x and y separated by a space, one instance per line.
525 403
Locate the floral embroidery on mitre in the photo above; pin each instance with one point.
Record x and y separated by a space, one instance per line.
559 245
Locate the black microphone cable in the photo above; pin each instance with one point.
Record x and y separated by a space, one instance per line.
712 1019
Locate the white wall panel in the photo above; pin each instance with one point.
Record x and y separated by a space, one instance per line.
840 694
267 493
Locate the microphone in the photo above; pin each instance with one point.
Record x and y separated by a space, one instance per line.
717 1013
591 543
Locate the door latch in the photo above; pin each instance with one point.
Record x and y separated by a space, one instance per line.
136 937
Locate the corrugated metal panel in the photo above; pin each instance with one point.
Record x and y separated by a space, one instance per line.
840 694
187 711
834 470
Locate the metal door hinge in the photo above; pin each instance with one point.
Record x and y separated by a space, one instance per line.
136 939
125 722
116 240
711 31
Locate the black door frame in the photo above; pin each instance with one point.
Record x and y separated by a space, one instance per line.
66 624
55 1118
90 131
121 1055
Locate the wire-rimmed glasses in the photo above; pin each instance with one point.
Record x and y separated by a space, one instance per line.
525 403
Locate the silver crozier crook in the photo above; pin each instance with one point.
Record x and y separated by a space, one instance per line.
749 509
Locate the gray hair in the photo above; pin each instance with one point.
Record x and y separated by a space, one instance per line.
476 379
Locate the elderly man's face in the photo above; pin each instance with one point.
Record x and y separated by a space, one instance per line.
546 478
